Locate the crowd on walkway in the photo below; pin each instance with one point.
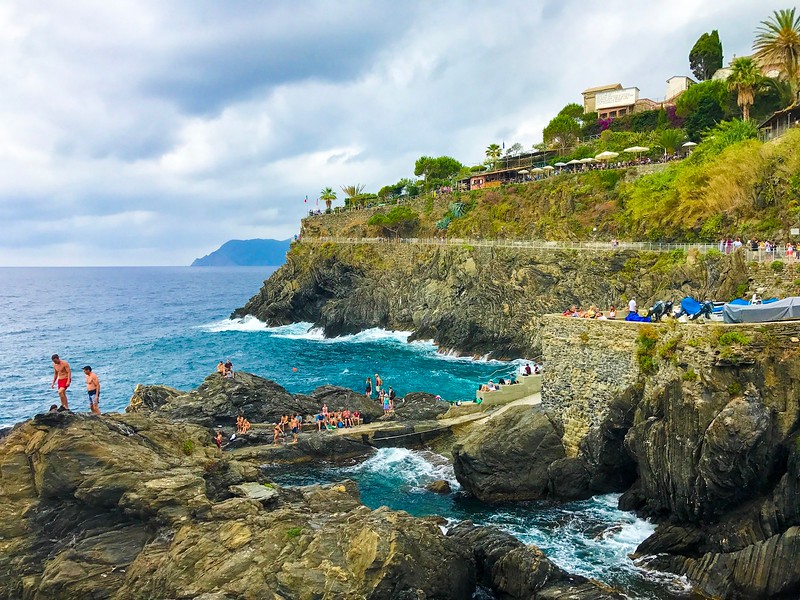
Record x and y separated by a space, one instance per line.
728 245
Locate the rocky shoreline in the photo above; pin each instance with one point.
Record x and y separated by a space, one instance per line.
143 505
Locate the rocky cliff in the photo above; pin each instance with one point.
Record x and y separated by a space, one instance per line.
475 301
697 424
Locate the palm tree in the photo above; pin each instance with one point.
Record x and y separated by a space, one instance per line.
328 196
671 139
352 192
493 153
777 45
745 79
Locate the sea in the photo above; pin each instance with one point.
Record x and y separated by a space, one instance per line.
171 326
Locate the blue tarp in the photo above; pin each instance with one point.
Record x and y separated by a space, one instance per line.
635 317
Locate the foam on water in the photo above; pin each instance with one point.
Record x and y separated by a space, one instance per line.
247 323
411 470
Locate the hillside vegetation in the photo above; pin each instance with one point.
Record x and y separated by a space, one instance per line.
728 186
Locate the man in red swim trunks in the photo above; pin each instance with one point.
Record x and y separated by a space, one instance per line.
62 374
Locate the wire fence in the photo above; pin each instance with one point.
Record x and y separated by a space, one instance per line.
778 252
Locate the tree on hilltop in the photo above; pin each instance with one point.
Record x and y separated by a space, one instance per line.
352 192
561 132
574 110
706 56
493 153
328 196
745 79
398 221
442 167
777 45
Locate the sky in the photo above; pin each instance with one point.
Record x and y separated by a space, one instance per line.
145 132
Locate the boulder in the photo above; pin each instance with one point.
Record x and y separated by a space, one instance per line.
515 571
133 506
507 458
419 406
440 486
340 398
219 400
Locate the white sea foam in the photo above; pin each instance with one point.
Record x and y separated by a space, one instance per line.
315 334
247 323
415 468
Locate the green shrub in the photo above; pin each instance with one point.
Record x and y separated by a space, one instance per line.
690 375
188 447
646 348
294 532
735 388
584 337
777 266
669 348
729 338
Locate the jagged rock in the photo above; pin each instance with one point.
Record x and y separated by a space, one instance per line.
219 400
440 486
508 457
340 398
568 478
519 572
419 406
133 507
311 447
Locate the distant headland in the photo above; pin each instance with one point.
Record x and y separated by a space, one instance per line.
246 253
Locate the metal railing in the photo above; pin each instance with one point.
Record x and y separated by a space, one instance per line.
778 253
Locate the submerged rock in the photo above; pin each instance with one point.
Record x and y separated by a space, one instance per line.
440 486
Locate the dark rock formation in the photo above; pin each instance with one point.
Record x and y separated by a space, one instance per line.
132 506
419 406
219 400
476 301
508 458
519 572
316 446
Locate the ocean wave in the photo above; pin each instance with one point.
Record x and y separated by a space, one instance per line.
247 323
413 469
305 331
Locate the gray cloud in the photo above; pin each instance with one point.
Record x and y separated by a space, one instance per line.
152 132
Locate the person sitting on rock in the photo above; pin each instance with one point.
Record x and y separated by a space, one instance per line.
239 420
221 368
347 418
320 418
528 370
612 312
356 418
229 369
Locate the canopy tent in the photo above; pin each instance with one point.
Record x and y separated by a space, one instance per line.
783 310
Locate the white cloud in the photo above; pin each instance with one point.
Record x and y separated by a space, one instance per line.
165 129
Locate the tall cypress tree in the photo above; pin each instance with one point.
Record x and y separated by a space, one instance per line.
706 56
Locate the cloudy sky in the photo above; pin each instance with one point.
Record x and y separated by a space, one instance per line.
145 132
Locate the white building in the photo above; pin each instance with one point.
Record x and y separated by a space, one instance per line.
676 85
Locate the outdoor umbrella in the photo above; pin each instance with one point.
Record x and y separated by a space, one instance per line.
586 161
574 162
537 170
560 164
607 155
689 144
548 168
523 171
636 149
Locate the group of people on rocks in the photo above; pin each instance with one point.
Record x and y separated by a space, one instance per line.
591 313
343 418
385 397
242 424
285 426
225 368
62 375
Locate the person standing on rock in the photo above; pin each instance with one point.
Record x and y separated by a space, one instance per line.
93 389
378 383
63 375
632 308
368 389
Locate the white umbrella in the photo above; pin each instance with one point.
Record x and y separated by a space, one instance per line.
636 149
586 161
690 144
574 162
523 171
548 168
560 164
607 155
537 170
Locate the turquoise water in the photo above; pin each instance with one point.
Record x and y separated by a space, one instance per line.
171 326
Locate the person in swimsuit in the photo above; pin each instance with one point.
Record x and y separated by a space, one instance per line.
93 389
295 428
386 405
378 383
221 369
368 389
218 440
63 375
